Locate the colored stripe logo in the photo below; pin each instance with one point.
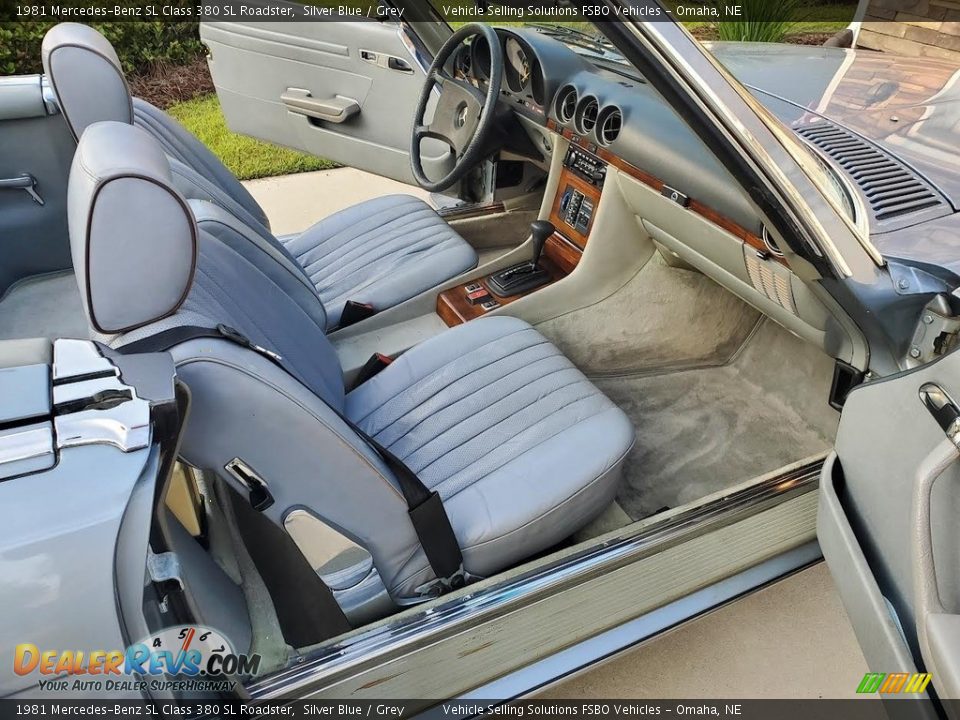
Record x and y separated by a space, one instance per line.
893 683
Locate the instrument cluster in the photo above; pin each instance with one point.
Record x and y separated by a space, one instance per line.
523 81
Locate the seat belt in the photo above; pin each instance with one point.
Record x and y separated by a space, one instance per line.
424 506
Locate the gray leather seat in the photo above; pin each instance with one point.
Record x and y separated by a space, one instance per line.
522 448
379 252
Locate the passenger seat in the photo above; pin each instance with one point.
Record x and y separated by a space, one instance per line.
378 253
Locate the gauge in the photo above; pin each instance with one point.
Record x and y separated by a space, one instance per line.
480 58
519 67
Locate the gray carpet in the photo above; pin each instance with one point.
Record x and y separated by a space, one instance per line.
663 318
43 306
703 430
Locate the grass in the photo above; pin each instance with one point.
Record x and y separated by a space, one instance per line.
245 157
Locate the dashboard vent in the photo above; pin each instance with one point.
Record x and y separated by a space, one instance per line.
897 196
587 112
611 120
770 279
566 104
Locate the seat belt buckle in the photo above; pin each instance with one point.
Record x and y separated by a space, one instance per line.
354 312
441 586
373 366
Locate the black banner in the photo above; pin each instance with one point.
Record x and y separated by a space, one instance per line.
453 11
868 708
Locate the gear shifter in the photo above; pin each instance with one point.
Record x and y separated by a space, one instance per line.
526 276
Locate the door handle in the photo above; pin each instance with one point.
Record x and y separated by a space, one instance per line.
943 409
25 182
388 62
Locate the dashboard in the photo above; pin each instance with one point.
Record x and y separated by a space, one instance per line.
613 115
666 178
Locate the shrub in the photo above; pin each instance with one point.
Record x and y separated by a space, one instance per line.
139 44
763 20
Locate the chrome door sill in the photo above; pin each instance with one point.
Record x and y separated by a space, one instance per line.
479 604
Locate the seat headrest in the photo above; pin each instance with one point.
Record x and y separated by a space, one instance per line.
86 76
132 235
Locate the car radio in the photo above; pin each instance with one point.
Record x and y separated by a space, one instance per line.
589 167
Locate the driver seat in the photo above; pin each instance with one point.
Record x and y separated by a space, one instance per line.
380 252
521 448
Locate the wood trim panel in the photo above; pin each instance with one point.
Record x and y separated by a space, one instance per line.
562 252
569 178
559 259
708 213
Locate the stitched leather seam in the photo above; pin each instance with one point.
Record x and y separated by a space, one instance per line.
591 393
442 367
473 393
492 423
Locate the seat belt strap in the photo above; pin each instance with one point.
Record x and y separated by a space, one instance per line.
424 506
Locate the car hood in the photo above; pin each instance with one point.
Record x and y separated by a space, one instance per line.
909 106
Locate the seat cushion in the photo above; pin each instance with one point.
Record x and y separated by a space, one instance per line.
381 251
521 446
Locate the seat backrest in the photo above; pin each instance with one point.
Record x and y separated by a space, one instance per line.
144 266
88 80
86 76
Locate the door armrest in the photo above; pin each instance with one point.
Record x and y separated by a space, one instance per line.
337 109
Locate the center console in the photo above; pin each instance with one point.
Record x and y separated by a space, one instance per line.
578 195
558 244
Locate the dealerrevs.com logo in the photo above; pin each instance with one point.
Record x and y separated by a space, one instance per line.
188 657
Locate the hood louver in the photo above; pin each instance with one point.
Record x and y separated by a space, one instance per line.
896 196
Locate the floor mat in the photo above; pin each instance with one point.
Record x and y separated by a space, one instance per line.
701 430
43 306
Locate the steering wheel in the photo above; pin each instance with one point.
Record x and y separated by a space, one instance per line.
464 116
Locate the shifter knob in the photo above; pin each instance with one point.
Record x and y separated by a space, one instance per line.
540 230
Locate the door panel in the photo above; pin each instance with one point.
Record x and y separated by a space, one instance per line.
341 90
889 521
36 149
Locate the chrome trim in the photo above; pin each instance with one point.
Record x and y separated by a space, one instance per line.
79 359
478 604
943 409
27 448
770 242
422 62
125 427
856 199
92 404
50 100
609 644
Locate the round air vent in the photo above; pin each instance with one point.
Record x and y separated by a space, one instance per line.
586 118
566 104
771 243
609 123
